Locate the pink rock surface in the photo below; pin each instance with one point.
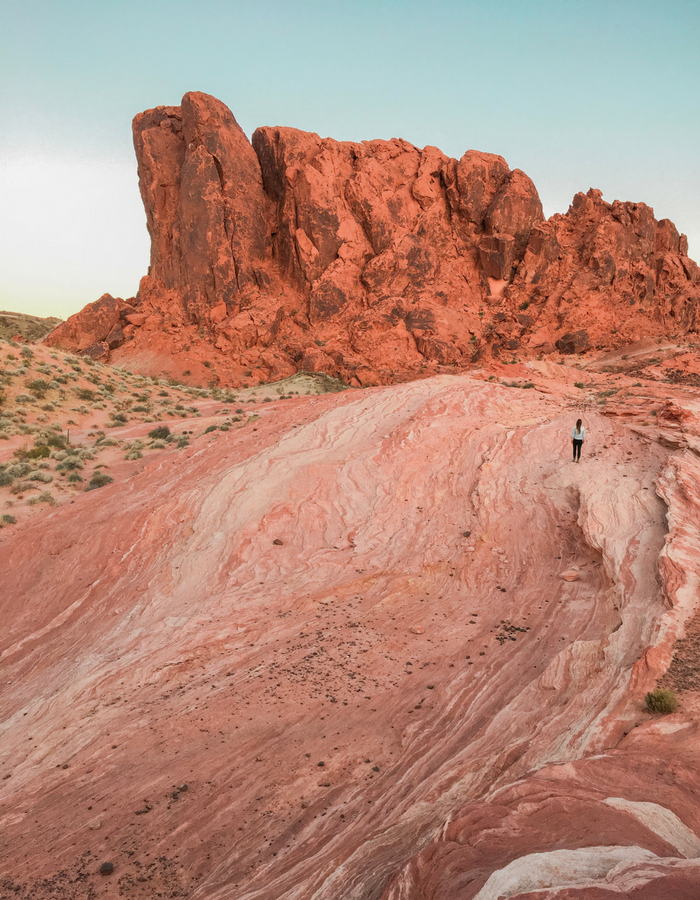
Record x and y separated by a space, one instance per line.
411 632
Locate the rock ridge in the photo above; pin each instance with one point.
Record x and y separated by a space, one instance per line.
372 261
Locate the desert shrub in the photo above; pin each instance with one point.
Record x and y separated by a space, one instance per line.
27 353
39 452
133 454
38 387
74 477
183 442
210 428
661 701
5 479
40 476
43 497
7 519
161 433
69 464
24 398
105 442
55 440
98 480
158 445
19 469
118 419
579 384
85 394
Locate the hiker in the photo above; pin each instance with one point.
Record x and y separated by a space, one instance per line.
577 436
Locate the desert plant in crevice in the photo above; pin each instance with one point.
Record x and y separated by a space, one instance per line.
661 701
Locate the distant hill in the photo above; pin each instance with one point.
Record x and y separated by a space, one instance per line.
32 328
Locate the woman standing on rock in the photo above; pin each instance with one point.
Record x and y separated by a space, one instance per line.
577 436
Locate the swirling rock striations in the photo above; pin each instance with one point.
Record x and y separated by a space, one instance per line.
371 261
322 657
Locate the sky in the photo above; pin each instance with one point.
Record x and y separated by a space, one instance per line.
577 93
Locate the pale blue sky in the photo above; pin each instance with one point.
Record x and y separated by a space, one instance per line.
598 93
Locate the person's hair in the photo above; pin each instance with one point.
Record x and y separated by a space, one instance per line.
578 424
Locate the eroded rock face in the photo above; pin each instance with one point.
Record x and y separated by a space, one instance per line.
391 258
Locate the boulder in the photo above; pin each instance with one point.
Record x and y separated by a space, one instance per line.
91 325
573 342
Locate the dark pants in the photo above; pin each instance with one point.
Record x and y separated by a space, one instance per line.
577 449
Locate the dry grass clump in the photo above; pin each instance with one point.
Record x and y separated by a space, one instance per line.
661 701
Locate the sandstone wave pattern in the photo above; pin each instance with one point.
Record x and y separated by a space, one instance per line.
334 655
372 261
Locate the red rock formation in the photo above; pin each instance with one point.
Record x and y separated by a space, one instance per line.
372 261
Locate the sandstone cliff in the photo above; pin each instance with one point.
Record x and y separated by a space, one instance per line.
371 261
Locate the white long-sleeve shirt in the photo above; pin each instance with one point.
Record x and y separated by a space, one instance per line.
578 435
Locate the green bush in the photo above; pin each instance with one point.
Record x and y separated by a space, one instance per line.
661 701
8 520
85 394
161 433
579 384
74 477
38 387
5 479
210 428
55 440
39 452
98 480
69 464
